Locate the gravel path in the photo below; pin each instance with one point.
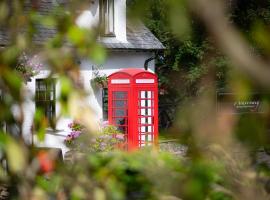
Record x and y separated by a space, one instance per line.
173 147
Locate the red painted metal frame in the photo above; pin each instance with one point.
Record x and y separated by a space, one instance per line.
133 90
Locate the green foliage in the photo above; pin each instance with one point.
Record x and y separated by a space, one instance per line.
137 175
189 55
216 167
110 130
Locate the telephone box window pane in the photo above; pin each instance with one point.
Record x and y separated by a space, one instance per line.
122 129
143 103
120 95
143 112
143 120
120 113
149 94
120 121
143 129
120 103
149 138
143 94
143 138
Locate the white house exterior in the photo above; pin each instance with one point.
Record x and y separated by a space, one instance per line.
128 46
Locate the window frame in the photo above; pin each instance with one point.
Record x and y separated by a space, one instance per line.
46 102
107 18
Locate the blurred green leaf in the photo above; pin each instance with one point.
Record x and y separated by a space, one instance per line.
77 193
3 12
16 154
40 124
98 54
50 186
99 194
79 36
261 33
180 20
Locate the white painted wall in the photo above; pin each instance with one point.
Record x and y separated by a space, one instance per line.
116 60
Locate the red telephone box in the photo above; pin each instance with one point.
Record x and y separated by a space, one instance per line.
133 106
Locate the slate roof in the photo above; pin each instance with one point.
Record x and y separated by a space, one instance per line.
138 36
42 35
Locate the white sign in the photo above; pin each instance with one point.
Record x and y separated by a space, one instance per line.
120 81
145 81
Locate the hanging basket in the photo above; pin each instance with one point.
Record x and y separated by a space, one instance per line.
98 83
102 84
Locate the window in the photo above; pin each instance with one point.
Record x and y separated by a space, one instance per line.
45 97
105 103
107 17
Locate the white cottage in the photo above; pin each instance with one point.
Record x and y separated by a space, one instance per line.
129 45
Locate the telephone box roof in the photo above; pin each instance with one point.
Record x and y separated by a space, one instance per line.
132 71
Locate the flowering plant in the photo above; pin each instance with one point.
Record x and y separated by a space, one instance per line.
28 67
108 138
76 130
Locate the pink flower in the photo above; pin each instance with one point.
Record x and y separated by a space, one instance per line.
120 136
105 123
75 134
68 139
70 125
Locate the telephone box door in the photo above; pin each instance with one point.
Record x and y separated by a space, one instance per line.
146 120
118 114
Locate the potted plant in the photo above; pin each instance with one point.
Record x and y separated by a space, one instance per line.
100 80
